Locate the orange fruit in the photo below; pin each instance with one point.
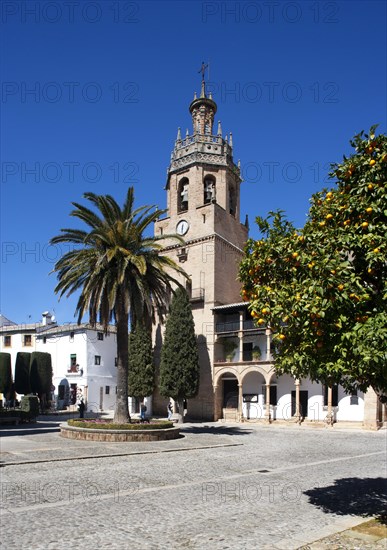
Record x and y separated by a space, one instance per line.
372 162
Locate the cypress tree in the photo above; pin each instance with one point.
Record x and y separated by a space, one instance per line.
179 364
5 373
22 372
141 374
41 375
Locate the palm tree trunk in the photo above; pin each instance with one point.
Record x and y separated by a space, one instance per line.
121 413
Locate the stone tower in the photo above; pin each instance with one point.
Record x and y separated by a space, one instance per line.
203 202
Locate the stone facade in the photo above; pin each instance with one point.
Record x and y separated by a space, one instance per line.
203 191
237 376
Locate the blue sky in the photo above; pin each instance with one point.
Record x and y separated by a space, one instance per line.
93 92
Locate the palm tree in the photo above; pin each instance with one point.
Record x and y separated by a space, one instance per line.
119 271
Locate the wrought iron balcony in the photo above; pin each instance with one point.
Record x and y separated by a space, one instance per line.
248 356
197 295
229 326
74 370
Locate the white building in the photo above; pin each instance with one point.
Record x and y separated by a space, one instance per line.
83 358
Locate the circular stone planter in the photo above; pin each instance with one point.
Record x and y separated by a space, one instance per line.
117 436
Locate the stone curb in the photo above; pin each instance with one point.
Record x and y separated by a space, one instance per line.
302 542
118 436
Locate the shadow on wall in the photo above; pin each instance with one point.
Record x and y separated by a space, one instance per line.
93 407
355 496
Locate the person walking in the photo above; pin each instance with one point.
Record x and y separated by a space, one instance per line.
170 410
142 412
81 408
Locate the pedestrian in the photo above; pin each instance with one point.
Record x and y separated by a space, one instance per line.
143 410
184 407
170 410
81 408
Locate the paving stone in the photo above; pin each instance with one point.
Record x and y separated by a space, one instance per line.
223 487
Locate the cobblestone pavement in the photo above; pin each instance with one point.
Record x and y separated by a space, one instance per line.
219 486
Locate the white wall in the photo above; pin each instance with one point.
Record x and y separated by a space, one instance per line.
105 374
347 411
253 383
17 344
90 377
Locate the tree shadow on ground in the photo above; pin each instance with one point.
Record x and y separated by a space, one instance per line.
352 496
30 429
214 430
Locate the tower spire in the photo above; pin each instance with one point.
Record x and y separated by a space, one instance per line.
203 108
202 70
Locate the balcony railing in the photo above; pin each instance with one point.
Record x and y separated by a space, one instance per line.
246 357
74 370
234 326
200 138
197 295
249 324
230 326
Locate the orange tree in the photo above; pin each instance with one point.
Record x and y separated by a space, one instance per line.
322 289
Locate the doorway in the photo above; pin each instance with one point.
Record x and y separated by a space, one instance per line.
73 394
303 403
230 393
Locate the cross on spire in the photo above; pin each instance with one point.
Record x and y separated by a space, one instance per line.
203 69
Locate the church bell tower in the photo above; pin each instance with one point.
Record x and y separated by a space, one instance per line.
203 202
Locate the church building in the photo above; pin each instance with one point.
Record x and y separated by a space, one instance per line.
237 377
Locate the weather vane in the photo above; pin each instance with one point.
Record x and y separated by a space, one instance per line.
203 69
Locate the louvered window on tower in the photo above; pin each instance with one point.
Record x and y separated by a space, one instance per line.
209 189
183 195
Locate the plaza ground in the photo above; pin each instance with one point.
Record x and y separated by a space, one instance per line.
220 486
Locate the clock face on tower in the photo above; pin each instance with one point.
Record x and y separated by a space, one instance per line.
182 227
